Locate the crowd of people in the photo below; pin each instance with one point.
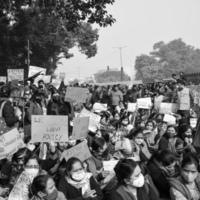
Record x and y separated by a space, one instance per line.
153 158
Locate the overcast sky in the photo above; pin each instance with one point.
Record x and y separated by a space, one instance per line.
140 24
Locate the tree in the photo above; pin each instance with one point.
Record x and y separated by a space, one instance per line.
110 76
52 28
166 59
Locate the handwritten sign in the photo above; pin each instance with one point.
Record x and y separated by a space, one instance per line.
132 107
80 127
3 79
80 151
10 143
171 120
76 94
184 99
15 74
49 128
144 103
94 119
167 108
98 107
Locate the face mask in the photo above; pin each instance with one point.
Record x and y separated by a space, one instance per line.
139 182
139 141
188 140
52 196
78 176
189 178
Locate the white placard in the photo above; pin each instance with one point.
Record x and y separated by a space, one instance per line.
109 165
167 108
15 74
171 120
49 128
144 103
132 107
98 107
3 79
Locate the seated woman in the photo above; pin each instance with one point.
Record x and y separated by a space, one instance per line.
131 183
187 185
78 184
43 188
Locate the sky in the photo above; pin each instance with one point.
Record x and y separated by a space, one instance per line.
140 24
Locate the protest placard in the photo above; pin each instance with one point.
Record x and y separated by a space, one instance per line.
193 122
144 103
15 74
80 151
33 70
98 107
76 94
3 79
49 128
132 107
109 165
47 79
80 127
167 108
10 143
184 99
170 119
94 119
56 83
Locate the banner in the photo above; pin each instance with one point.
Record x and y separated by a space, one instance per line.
94 121
80 127
49 128
132 107
80 151
144 103
76 94
184 99
167 108
3 79
15 74
10 143
98 107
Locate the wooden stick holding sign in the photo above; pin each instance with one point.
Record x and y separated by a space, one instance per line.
49 128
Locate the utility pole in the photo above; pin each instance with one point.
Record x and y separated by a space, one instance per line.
121 60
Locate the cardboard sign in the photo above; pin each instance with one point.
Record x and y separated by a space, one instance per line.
193 122
144 103
76 94
109 165
80 127
10 143
80 151
15 74
94 119
167 108
3 79
184 99
98 107
49 128
132 107
170 119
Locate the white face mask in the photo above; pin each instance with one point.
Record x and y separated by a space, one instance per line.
139 182
78 176
139 141
32 172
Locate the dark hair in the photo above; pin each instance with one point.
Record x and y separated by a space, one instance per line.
124 169
167 157
21 154
98 143
150 121
32 157
171 126
189 159
39 184
70 164
134 133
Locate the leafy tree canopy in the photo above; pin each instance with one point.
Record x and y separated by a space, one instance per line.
166 59
51 27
